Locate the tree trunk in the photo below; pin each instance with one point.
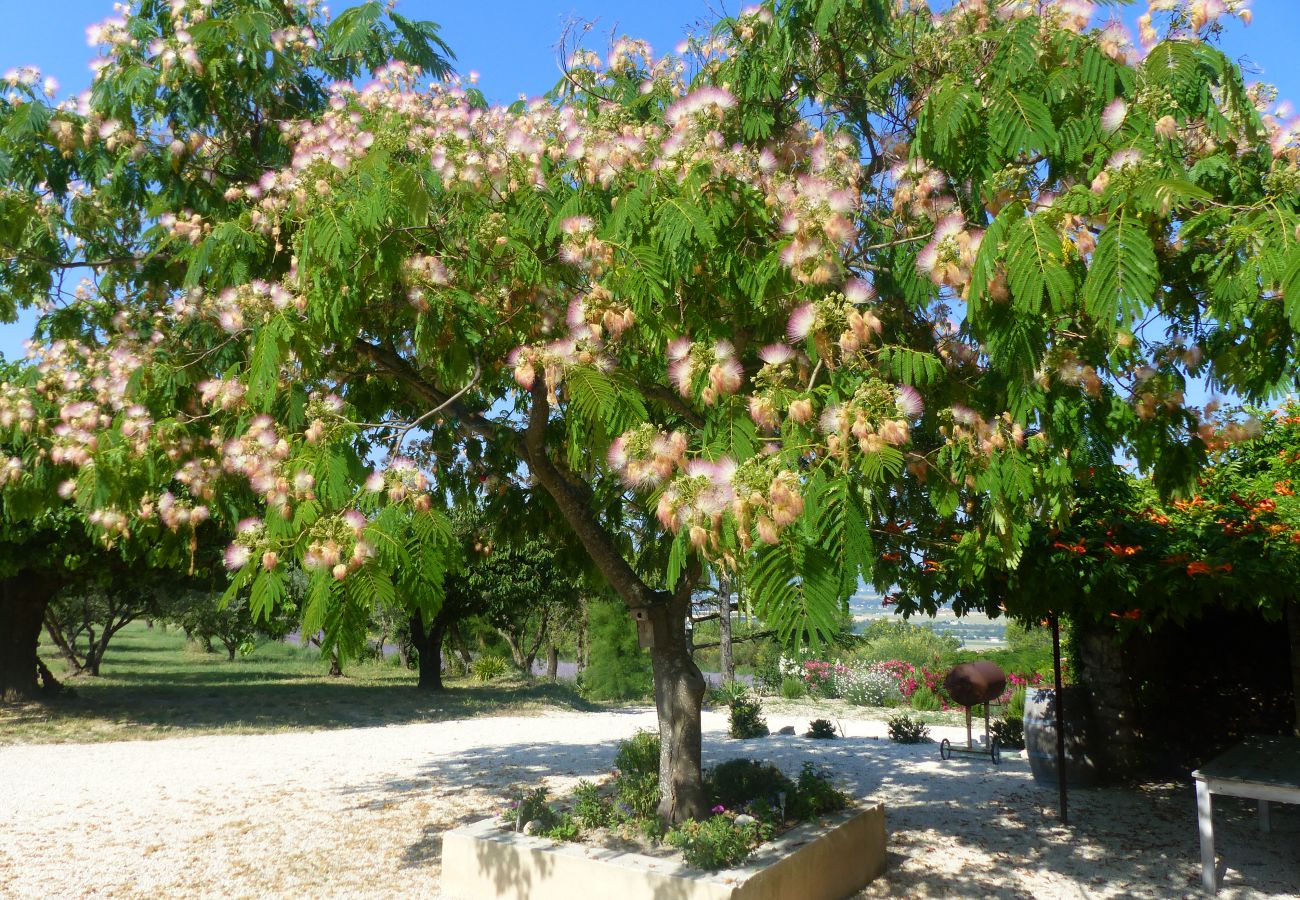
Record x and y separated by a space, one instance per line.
230 653
66 650
23 599
582 636
517 654
1293 624
428 644
336 665
679 685
462 648
552 663
679 696
728 660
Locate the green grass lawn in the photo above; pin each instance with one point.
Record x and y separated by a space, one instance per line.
154 686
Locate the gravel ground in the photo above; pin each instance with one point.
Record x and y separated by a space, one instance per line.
361 812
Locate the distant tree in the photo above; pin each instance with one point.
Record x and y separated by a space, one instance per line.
82 621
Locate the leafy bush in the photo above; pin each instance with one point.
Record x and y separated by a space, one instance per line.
1016 705
814 794
867 687
637 782
716 843
593 808
1009 732
926 700
793 688
920 645
488 666
768 678
638 795
728 692
747 719
618 668
639 754
821 729
736 782
531 806
564 829
903 729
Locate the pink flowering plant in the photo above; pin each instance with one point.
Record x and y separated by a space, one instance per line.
772 305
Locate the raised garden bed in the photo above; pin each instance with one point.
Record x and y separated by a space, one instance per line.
829 859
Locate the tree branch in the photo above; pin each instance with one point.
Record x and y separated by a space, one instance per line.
572 505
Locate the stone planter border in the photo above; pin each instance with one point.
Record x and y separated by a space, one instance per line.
830 859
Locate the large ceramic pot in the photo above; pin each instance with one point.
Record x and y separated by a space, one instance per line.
1040 737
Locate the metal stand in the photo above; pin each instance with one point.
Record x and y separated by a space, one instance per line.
991 749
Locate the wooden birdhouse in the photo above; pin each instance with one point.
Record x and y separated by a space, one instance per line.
645 634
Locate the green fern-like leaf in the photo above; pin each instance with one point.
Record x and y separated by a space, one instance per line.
1123 276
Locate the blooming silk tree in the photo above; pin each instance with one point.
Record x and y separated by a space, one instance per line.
847 301
803 349
1080 219
108 460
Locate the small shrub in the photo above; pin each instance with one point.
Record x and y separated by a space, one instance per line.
716 843
737 782
728 692
637 782
1016 705
564 829
594 809
867 687
639 754
815 795
489 666
903 729
1009 732
747 719
821 729
926 700
768 678
793 689
531 806
638 794
651 828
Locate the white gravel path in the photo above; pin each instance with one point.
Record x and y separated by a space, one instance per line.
360 813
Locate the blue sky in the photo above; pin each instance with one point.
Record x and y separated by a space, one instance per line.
513 45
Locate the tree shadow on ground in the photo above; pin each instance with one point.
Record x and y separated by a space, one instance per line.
998 828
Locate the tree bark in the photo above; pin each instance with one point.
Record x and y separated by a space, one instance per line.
1293 624
679 696
336 665
458 640
679 684
552 663
428 644
728 659
66 650
23 599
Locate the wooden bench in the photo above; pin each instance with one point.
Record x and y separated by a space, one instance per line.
1266 769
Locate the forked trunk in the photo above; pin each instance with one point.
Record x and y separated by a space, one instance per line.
23 600
679 696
